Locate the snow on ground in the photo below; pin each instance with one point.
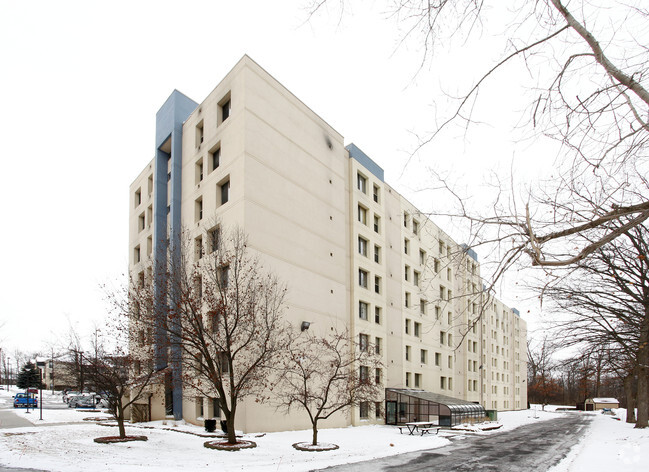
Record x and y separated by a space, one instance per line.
57 445
608 445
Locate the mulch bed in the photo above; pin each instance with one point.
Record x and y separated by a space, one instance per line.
309 447
226 446
117 439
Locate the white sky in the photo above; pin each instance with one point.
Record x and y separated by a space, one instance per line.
80 83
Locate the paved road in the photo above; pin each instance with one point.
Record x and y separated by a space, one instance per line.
536 447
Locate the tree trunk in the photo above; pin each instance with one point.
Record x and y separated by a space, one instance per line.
120 421
630 403
643 373
232 436
315 433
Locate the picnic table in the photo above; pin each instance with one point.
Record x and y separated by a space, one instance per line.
420 426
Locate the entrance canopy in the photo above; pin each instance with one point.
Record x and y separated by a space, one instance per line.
404 405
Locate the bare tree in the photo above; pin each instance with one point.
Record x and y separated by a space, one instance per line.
542 385
606 302
327 375
589 64
225 315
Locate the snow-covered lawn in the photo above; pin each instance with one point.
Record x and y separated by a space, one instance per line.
60 446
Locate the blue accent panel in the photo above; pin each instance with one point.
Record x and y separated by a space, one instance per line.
168 169
363 159
470 252
516 312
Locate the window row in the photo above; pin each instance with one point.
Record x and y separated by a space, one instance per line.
364 310
223 112
223 196
363 249
213 163
362 216
364 344
406 223
362 185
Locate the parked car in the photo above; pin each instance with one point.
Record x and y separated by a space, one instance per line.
25 400
73 399
67 394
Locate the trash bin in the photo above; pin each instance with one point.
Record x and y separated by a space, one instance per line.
224 426
210 425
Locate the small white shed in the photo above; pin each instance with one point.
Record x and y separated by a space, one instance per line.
592 404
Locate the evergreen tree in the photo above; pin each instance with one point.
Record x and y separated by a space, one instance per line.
29 376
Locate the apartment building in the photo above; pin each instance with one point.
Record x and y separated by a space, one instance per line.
354 253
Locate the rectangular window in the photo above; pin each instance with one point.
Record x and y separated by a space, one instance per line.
199 407
215 158
141 222
198 248
415 278
450 383
136 254
417 380
406 245
199 171
423 355
436 266
199 133
448 274
138 197
362 246
417 327
450 362
415 226
422 257
377 284
438 359
364 410
405 219
408 353
450 339
406 272
407 326
377 254
362 278
375 193
422 307
377 376
377 224
199 209
378 343
442 383
377 315
407 379
442 338
407 299
437 312
214 236
226 108
363 342
362 310
222 276
362 215
364 374
361 183
225 192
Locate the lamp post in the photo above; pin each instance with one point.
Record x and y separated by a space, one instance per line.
41 366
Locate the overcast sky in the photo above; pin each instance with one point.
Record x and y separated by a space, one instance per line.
81 83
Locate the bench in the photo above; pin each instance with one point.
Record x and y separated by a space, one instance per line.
429 430
401 428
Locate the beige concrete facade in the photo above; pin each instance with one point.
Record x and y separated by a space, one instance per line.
326 223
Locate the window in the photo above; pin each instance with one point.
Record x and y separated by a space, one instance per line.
377 284
362 215
224 189
362 246
408 349
442 338
423 356
362 278
214 239
362 310
417 327
138 197
363 342
415 278
223 276
450 339
226 108
422 307
136 254
442 383
364 409
417 380
377 224
141 222
407 299
438 359
378 343
199 209
450 383
437 312
361 183
213 320
216 408
407 326
442 292
198 248
405 219
450 362
406 272
449 317
215 158
364 374
377 254
422 257
407 379
199 133
436 266
406 245
375 193
199 407
377 376
441 248
199 171
415 226
448 274
377 315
